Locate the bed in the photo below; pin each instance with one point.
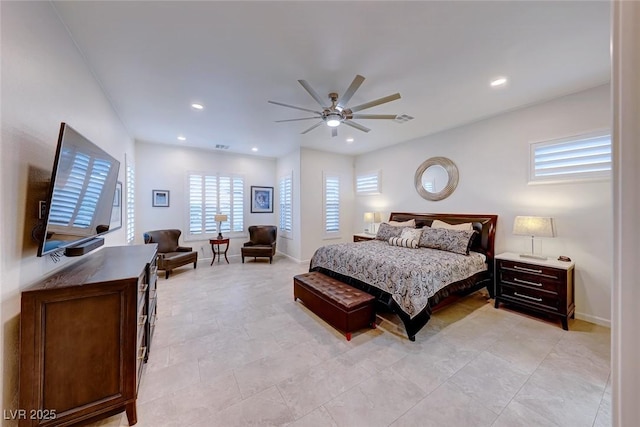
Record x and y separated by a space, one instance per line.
410 282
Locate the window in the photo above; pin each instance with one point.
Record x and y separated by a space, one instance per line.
286 205
331 205
368 183
580 157
131 214
210 194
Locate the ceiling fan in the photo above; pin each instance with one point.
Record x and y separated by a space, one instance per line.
337 113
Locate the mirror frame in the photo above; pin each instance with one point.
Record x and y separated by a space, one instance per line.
452 172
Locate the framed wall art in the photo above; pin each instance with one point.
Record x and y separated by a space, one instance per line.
160 198
261 199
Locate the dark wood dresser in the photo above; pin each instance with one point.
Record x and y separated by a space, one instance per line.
545 286
85 333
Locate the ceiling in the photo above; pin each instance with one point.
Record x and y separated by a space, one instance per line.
155 58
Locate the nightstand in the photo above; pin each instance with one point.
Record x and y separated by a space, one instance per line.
363 237
544 286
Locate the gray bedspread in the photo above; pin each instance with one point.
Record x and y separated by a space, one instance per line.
411 276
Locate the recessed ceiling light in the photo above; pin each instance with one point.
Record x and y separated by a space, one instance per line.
197 106
254 149
349 139
500 81
182 138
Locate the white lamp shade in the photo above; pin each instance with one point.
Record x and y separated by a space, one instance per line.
377 217
368 217
534 226
220 218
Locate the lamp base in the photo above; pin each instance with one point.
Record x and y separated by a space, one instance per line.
220 236
532 256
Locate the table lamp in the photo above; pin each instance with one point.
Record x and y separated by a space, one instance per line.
372 218
534 226
220 218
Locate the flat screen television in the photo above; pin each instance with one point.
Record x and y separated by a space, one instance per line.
79 204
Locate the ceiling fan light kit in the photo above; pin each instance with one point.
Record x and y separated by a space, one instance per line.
337 113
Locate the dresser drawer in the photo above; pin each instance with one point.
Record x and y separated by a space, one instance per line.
530 297
521 268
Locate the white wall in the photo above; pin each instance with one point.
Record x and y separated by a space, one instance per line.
163 167
44 82
314 163
492 156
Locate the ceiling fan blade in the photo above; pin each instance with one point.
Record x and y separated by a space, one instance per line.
353 87
312 127
375 102
374 116
293 106
312 92
295 120
334 132
356 125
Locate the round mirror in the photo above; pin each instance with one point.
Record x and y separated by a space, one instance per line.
436 178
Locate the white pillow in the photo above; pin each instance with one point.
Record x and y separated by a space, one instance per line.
411 233
467 226
409 223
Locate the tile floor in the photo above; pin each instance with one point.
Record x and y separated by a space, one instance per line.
232 348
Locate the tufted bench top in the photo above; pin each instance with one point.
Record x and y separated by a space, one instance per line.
345 296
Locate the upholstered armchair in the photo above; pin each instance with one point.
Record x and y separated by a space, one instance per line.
170 254
262 242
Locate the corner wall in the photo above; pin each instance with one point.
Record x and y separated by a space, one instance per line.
45 81
492 156
165 167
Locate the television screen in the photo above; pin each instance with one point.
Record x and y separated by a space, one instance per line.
81 193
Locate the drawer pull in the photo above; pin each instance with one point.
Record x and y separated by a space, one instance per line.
144 289
530 270
142 351
142 320
526 282
528 297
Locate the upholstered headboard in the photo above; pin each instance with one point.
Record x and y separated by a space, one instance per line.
485 225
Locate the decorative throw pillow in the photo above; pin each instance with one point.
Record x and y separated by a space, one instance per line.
441 224
405 243
411 233
386 231
456 241
409 223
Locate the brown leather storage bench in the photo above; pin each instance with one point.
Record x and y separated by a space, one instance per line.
342 306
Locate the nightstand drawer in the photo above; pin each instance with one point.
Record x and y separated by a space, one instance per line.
530 297
523 268
532 281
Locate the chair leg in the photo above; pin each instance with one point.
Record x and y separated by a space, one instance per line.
243 259
270 259
194 264
166 274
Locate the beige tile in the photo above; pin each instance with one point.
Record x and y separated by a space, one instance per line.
167 381
517 415
490 381
378 401
447 406
318 418
261 410
523 351
308 390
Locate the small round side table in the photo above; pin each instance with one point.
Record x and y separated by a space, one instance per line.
216 243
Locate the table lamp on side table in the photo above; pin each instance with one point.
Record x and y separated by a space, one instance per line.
534 226
220 219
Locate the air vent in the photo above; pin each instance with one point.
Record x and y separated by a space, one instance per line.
222 147
402 118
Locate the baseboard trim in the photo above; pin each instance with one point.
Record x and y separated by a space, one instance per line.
593 319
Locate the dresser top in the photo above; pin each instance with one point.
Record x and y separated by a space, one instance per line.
550 262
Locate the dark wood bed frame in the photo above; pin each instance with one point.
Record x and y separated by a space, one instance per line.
484 242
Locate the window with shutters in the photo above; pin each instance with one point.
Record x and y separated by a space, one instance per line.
580 157
368 183
331 205
211 194
131 214
285 188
